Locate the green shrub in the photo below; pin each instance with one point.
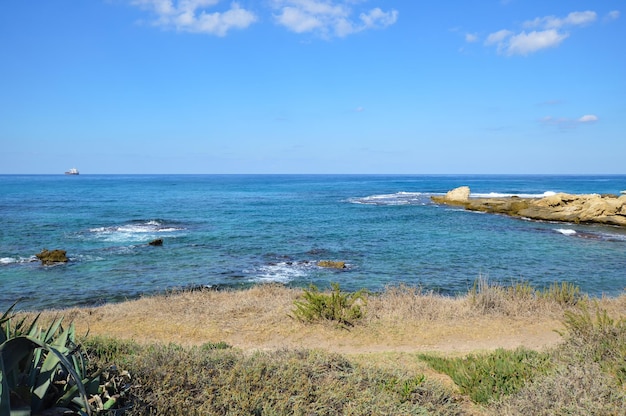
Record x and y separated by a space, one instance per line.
180 381
564 293
487 377
106 350
598 338
580 389
343 308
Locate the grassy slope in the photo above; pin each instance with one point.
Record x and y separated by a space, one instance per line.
400 323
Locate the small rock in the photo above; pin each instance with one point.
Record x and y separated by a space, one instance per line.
52 256
157 242
332 264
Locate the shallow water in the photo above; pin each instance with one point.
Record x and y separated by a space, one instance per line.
240 230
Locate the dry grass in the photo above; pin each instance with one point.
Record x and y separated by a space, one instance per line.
401 318
373 365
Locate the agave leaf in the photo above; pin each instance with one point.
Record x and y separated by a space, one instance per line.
61 340
5 316
5 396
12 352
49 366
34 363
45 377
33 331
15 350
91 383
52 330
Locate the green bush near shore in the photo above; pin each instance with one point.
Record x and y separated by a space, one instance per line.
337 306
487 377
588 375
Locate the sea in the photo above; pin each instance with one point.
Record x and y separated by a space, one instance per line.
236 231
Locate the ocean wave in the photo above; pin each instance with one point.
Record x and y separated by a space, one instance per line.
286 271
566 231
17 260
133 231
399 198
593 235
282 272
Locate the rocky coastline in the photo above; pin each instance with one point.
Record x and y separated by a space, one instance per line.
561 207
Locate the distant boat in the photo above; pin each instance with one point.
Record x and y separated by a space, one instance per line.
72 171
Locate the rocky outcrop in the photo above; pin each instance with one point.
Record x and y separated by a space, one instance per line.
52 256
587 208
157 242
331 264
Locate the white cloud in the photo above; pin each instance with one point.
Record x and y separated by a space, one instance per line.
568 122
526 43
498 37
298 21
549 33
572 19
613 15
329 18
193 15
471 37
589 118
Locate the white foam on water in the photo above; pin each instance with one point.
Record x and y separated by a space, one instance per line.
399 198
566 231
141 231
14 260
282 272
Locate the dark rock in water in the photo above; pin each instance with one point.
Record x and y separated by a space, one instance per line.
52 256
332 264
157 242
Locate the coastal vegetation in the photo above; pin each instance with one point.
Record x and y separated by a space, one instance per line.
510 349
337 306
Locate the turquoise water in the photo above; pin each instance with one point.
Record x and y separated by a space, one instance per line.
240 230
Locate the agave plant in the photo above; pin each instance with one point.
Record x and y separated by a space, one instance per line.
42 367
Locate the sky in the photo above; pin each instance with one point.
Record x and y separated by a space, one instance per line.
313 86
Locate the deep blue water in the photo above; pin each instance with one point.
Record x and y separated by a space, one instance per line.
241 230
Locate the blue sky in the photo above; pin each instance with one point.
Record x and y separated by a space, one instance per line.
312 86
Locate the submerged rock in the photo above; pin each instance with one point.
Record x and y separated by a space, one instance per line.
330 264
157 242
585 208
52 256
